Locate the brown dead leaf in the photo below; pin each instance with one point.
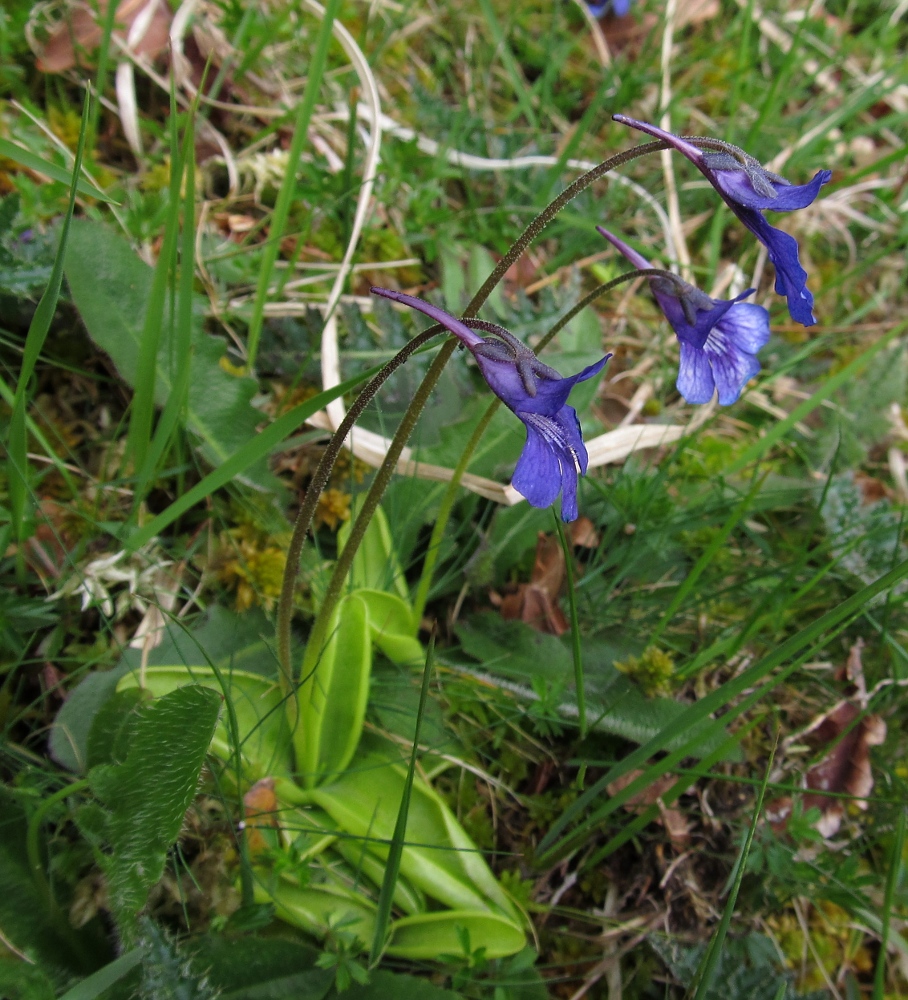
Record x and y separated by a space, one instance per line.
695 11
674 821
583 533
845 769
536 602
871 489
74 40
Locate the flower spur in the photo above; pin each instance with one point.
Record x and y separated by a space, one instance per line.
748 189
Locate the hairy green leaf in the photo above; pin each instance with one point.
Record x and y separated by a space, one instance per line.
262 968
231 642
258 706
148 794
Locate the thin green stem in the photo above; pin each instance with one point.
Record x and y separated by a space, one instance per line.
310 501
575 624
550 211
596 293
319 633
450 494
892 881
36 864
398 838
444 512
320 627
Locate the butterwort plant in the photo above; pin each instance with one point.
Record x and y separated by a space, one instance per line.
554 454
719 342
719 338
749 189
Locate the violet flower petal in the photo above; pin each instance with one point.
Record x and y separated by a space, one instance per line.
695 375
554 453
735 183
732 368
791 278
460 330
538 474
718 348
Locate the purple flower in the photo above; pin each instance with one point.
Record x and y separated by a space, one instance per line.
619 7
719 338
554 452
749 188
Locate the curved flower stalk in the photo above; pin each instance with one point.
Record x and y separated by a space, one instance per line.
748 189
719 337
554 453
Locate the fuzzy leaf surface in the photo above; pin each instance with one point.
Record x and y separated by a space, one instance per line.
146 797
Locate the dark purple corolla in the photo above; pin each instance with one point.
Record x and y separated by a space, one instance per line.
719 338
618 7
748 189
554 453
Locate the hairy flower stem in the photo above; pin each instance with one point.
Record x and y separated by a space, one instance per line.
319 634
450 494
550 211
316 486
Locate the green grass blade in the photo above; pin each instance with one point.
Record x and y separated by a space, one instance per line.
706 972
103 64
575 624
837 381
138 439
25 158
892 881
715 700
182 335
512 67
251 452
285 195
398 839
95 984
712 550
17 443
631 829
8 396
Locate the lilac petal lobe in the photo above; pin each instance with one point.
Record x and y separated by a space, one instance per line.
552 395
695 376
791 278
449 322
746 326
732 368
537 476
694 334
736 186
573 438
